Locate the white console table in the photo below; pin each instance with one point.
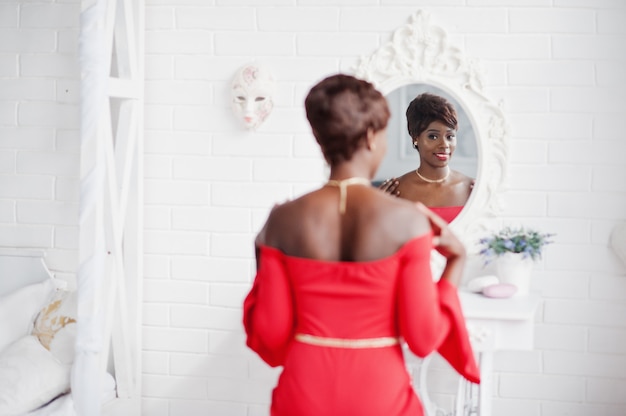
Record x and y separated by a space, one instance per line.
493 325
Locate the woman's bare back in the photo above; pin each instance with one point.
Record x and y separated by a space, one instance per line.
374 225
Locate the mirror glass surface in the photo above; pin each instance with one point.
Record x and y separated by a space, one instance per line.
401 157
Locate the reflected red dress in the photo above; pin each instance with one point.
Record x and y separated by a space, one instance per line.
391 297
447 213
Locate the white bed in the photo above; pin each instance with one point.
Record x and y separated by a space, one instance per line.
37 340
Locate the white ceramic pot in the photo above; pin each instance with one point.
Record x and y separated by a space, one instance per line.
514 269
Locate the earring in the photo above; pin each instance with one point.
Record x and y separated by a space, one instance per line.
415 145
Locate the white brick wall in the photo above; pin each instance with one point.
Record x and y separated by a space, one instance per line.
38 129
557 66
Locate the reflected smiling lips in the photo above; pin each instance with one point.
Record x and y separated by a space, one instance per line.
443 156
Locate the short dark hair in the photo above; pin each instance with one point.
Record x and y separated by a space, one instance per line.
426 108
341 109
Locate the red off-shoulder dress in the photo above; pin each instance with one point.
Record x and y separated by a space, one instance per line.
391 297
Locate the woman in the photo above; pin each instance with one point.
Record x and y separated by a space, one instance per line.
432 125
343 273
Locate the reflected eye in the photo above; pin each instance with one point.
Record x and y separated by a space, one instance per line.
259 99
433 137
240 98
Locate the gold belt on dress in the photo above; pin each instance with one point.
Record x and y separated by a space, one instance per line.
347 342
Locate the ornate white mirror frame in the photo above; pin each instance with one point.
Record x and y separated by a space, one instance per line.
420 52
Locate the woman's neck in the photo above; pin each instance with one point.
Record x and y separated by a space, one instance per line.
349 170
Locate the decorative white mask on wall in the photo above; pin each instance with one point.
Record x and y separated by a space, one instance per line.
252 94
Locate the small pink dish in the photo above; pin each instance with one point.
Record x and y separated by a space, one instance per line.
477 284
499 290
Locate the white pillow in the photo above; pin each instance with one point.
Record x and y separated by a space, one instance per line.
30 377
18 311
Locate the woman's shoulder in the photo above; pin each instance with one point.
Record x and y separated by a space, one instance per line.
461 177
294 215
402 215
286 210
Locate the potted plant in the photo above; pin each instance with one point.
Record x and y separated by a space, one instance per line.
513 251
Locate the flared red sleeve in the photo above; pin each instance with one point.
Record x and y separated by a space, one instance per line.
430 313
268 309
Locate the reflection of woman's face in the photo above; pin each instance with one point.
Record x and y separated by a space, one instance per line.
252 96
436 144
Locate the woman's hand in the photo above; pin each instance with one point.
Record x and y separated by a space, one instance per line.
390 186
444 239
448 245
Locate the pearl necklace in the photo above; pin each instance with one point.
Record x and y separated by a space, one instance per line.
343 191
432 180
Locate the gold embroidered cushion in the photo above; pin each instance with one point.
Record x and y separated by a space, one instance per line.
55 326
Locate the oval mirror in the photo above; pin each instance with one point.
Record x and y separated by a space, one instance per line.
402 157
419 57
